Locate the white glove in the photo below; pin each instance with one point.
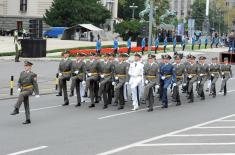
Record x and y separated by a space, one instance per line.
102 76
113 83
37 96
184 84
198 82
83 83
18 89
146 81
212 75
60 74
174 84
201 74
190 76
89 74
222 73
163 78
116 78
126 83
157 86
76 72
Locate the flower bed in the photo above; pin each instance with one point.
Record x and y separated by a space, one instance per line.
110 50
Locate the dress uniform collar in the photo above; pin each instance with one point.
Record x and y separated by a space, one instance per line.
65 59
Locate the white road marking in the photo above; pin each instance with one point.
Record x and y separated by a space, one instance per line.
228 120
125 113
161 136
184 144
216 127
208 154
28 150
201 135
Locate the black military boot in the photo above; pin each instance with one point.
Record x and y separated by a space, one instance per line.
78 105
92 105
105 107
71 94
150 110
120 107
178 103
27 121
15 112
85 94
66 103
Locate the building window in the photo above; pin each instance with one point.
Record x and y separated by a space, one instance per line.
23 5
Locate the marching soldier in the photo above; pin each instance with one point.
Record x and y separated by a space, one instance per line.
180 77
151 78
226 74
161 84
27 84
192 72
186 64
93 71
203 76
167 74
65 67
136 72
78 76
106 74
120 79
214 75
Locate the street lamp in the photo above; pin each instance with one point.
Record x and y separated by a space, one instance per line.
133 7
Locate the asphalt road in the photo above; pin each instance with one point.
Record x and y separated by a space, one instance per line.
204 127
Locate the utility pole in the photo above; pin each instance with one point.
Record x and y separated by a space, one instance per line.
133 7
150 26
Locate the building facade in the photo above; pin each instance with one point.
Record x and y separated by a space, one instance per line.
15 14
182 8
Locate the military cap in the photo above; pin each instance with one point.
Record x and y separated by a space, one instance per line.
192 57
225 58
177 57
167 56
124 55
137 55
27 63
162 56
151 56
202 58
188 56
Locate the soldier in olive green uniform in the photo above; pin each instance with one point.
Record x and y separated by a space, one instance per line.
180 78
106 75
203 75
151 78
120 79
226 73
27 84
65 67
192 72
186 64
78 76
214 75
93 72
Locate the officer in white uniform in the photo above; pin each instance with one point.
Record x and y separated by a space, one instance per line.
136 73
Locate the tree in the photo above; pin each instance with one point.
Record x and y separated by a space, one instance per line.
71 12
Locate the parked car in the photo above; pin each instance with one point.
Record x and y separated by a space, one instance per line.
54 32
